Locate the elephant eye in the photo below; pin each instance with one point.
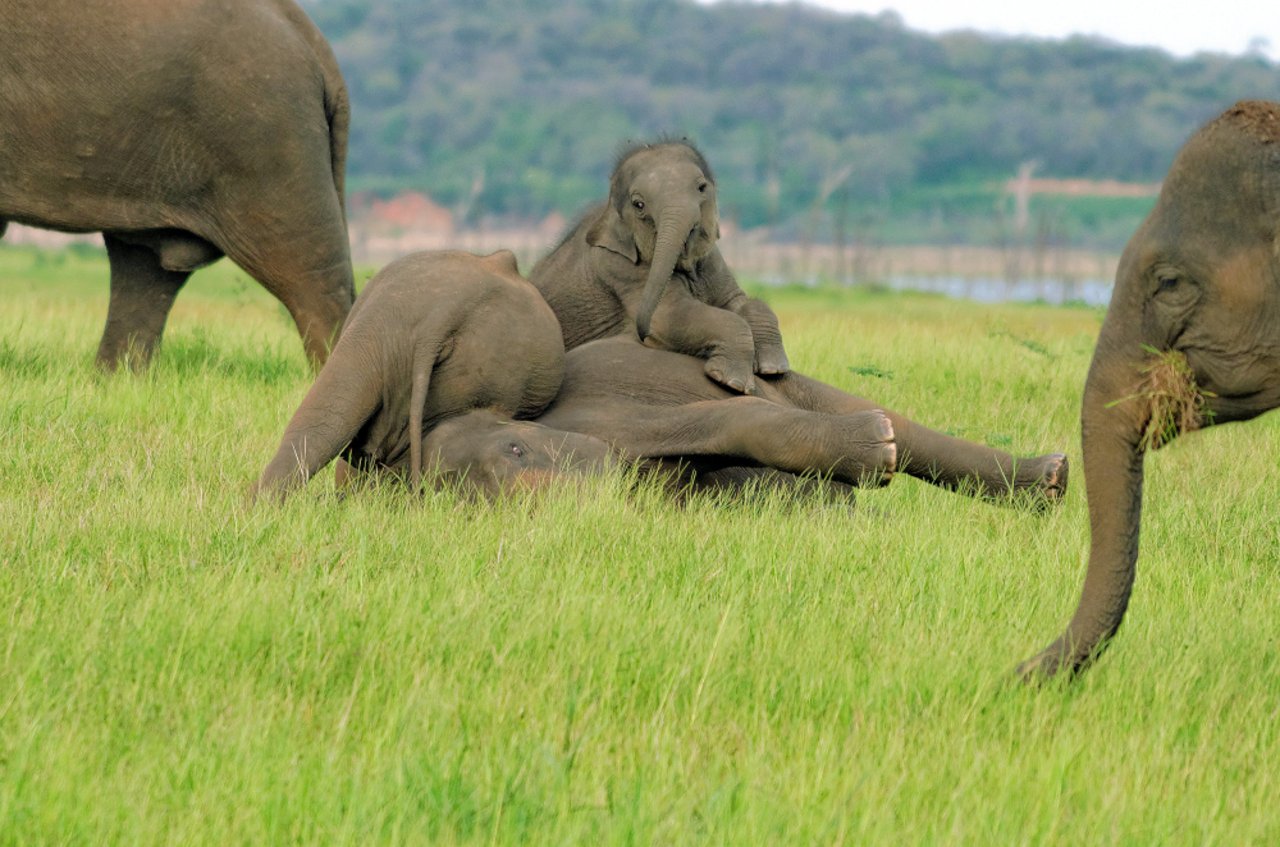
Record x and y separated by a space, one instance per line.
517 450
638 203
1168 283
702 188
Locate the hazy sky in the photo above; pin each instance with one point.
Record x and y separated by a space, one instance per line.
1221 26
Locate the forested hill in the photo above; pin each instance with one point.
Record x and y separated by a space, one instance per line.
517 108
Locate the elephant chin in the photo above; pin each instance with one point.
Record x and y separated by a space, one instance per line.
697 248
541 480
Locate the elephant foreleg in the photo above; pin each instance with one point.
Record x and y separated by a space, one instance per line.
142 293
685 325
330 416
771 359
935 457
857 449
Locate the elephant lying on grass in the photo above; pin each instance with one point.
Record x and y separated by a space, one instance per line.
459 353
1192 338
646 261
432 336
183 131
657 408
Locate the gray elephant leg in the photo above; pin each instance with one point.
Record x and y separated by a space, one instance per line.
933 456
771 359
685 325
330 416
142 293
302 259
855 448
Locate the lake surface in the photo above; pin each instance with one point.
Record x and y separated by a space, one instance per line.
1093 292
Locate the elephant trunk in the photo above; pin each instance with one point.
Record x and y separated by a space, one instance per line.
1113 455
674 225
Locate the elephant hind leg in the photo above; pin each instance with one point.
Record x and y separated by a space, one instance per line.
959 465
142 294
935 457
303 260
1044 475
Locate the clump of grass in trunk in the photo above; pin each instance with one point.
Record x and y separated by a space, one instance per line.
1176 403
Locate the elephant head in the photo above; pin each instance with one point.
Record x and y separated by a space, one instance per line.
1194 323
661 212
489 454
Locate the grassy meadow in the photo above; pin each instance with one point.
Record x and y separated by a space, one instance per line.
599 665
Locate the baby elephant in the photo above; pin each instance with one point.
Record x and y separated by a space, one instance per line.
433 335
647 261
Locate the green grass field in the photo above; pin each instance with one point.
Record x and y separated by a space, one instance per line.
600 665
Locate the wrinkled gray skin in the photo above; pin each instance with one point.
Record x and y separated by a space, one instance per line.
1201 276
622 401
646 262
432 336
183 130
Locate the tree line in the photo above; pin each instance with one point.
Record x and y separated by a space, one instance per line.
518 109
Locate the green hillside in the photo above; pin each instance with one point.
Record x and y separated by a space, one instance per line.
517 109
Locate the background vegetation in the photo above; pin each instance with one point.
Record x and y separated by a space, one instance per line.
517 109
601 666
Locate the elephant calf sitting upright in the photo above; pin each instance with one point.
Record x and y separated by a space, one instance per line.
433 335
647 261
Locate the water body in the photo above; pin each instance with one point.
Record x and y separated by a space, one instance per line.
1055 292
1092 292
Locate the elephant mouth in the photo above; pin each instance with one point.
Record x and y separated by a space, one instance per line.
1171 401
696 248
1235 386
1241 406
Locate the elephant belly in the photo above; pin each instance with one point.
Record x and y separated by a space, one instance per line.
621 369
177 250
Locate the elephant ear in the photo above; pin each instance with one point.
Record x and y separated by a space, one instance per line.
610 232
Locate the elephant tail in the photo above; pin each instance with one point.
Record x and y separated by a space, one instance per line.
337 103
337 110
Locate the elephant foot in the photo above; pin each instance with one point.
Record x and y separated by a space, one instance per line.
1044 476
772 360
872 450
1039 669
736 376
130 353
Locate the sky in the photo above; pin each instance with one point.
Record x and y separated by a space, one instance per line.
1219 26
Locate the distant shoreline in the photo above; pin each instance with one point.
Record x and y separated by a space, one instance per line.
986 273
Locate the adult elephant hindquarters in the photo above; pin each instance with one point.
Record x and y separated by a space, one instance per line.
182 131
1195 316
